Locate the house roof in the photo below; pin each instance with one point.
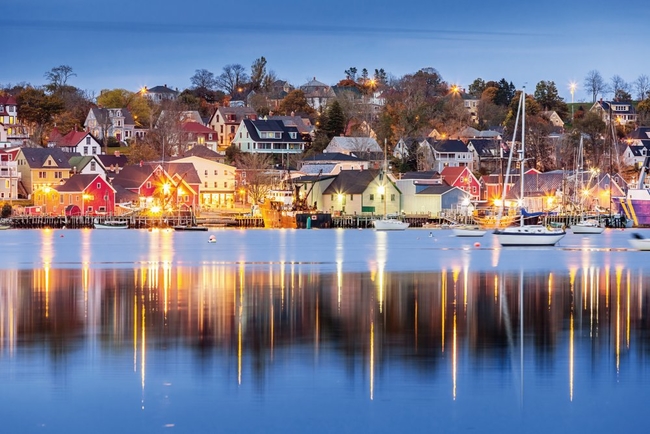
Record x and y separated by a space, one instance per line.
123 195
485 147
436 189
78 183
303 125
255 126
7 100
161 89
133 175
639 133
333 156
429 174
240 113
313 169
70 140
353 144
78 162
451 174
200 151
102 115
352 181
113 160
196 128
36 157
451 145
186 171
538 184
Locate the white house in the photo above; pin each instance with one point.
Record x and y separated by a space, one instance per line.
111 122
268 137
81 142
226 120
623 113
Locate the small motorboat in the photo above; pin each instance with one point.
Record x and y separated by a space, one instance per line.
190 228
468 231
589 226
639 242
111 224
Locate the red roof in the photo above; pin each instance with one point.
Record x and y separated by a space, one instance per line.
196 128
451 174
72 139
8 100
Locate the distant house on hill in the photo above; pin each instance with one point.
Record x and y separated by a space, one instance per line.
226 120
318 94
160 93
110 122
623 113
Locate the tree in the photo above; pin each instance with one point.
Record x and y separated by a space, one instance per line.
477 88
295 102
203 79
595 84
336 121
135 102
593 127
351 74
642 87
546 95
142 150
232 79
620 88
38 109
258 73
643 112
505 92
58 77
258 181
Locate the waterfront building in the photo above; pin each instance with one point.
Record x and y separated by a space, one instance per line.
268 137
42 167
89 193
216 181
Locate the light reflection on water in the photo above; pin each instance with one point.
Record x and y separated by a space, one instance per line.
350 343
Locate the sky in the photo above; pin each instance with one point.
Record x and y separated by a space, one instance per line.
134 43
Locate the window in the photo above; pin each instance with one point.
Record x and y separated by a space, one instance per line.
332 198
215 184
93 165
61 199
392 197
293 135
206 172
232 129
216 172
99 186
210 136
149 184
88 140
372 196
205 184
94 150
225 185
85 150
351 197
473 189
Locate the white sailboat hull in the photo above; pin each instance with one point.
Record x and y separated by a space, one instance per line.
587 227
529 235
390 225
468 231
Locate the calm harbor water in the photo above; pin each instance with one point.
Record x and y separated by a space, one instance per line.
321 331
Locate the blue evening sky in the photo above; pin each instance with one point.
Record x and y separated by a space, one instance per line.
133 43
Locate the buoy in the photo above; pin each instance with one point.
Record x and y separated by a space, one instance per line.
212 239
430 234
477 244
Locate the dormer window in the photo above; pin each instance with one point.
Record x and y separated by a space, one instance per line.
293 135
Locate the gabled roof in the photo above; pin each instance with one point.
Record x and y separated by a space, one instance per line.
200 151
70 140
451 174
354 144
538 184
133 176
352 181
113 160
102 115
36 157
451 145
196 128
303 125
78 162
255 126
332 156
639 133
313 169
428 174
485 147
162 89
78 183
436 189
7 100
240 113
186 171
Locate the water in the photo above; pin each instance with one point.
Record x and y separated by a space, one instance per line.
321 331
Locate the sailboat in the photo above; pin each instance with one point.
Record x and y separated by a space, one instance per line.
388 223
586 225
525 235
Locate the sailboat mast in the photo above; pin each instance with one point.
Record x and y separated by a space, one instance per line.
521 155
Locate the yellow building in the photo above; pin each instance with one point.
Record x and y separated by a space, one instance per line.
42 167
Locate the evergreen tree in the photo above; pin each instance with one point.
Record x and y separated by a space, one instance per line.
335 125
